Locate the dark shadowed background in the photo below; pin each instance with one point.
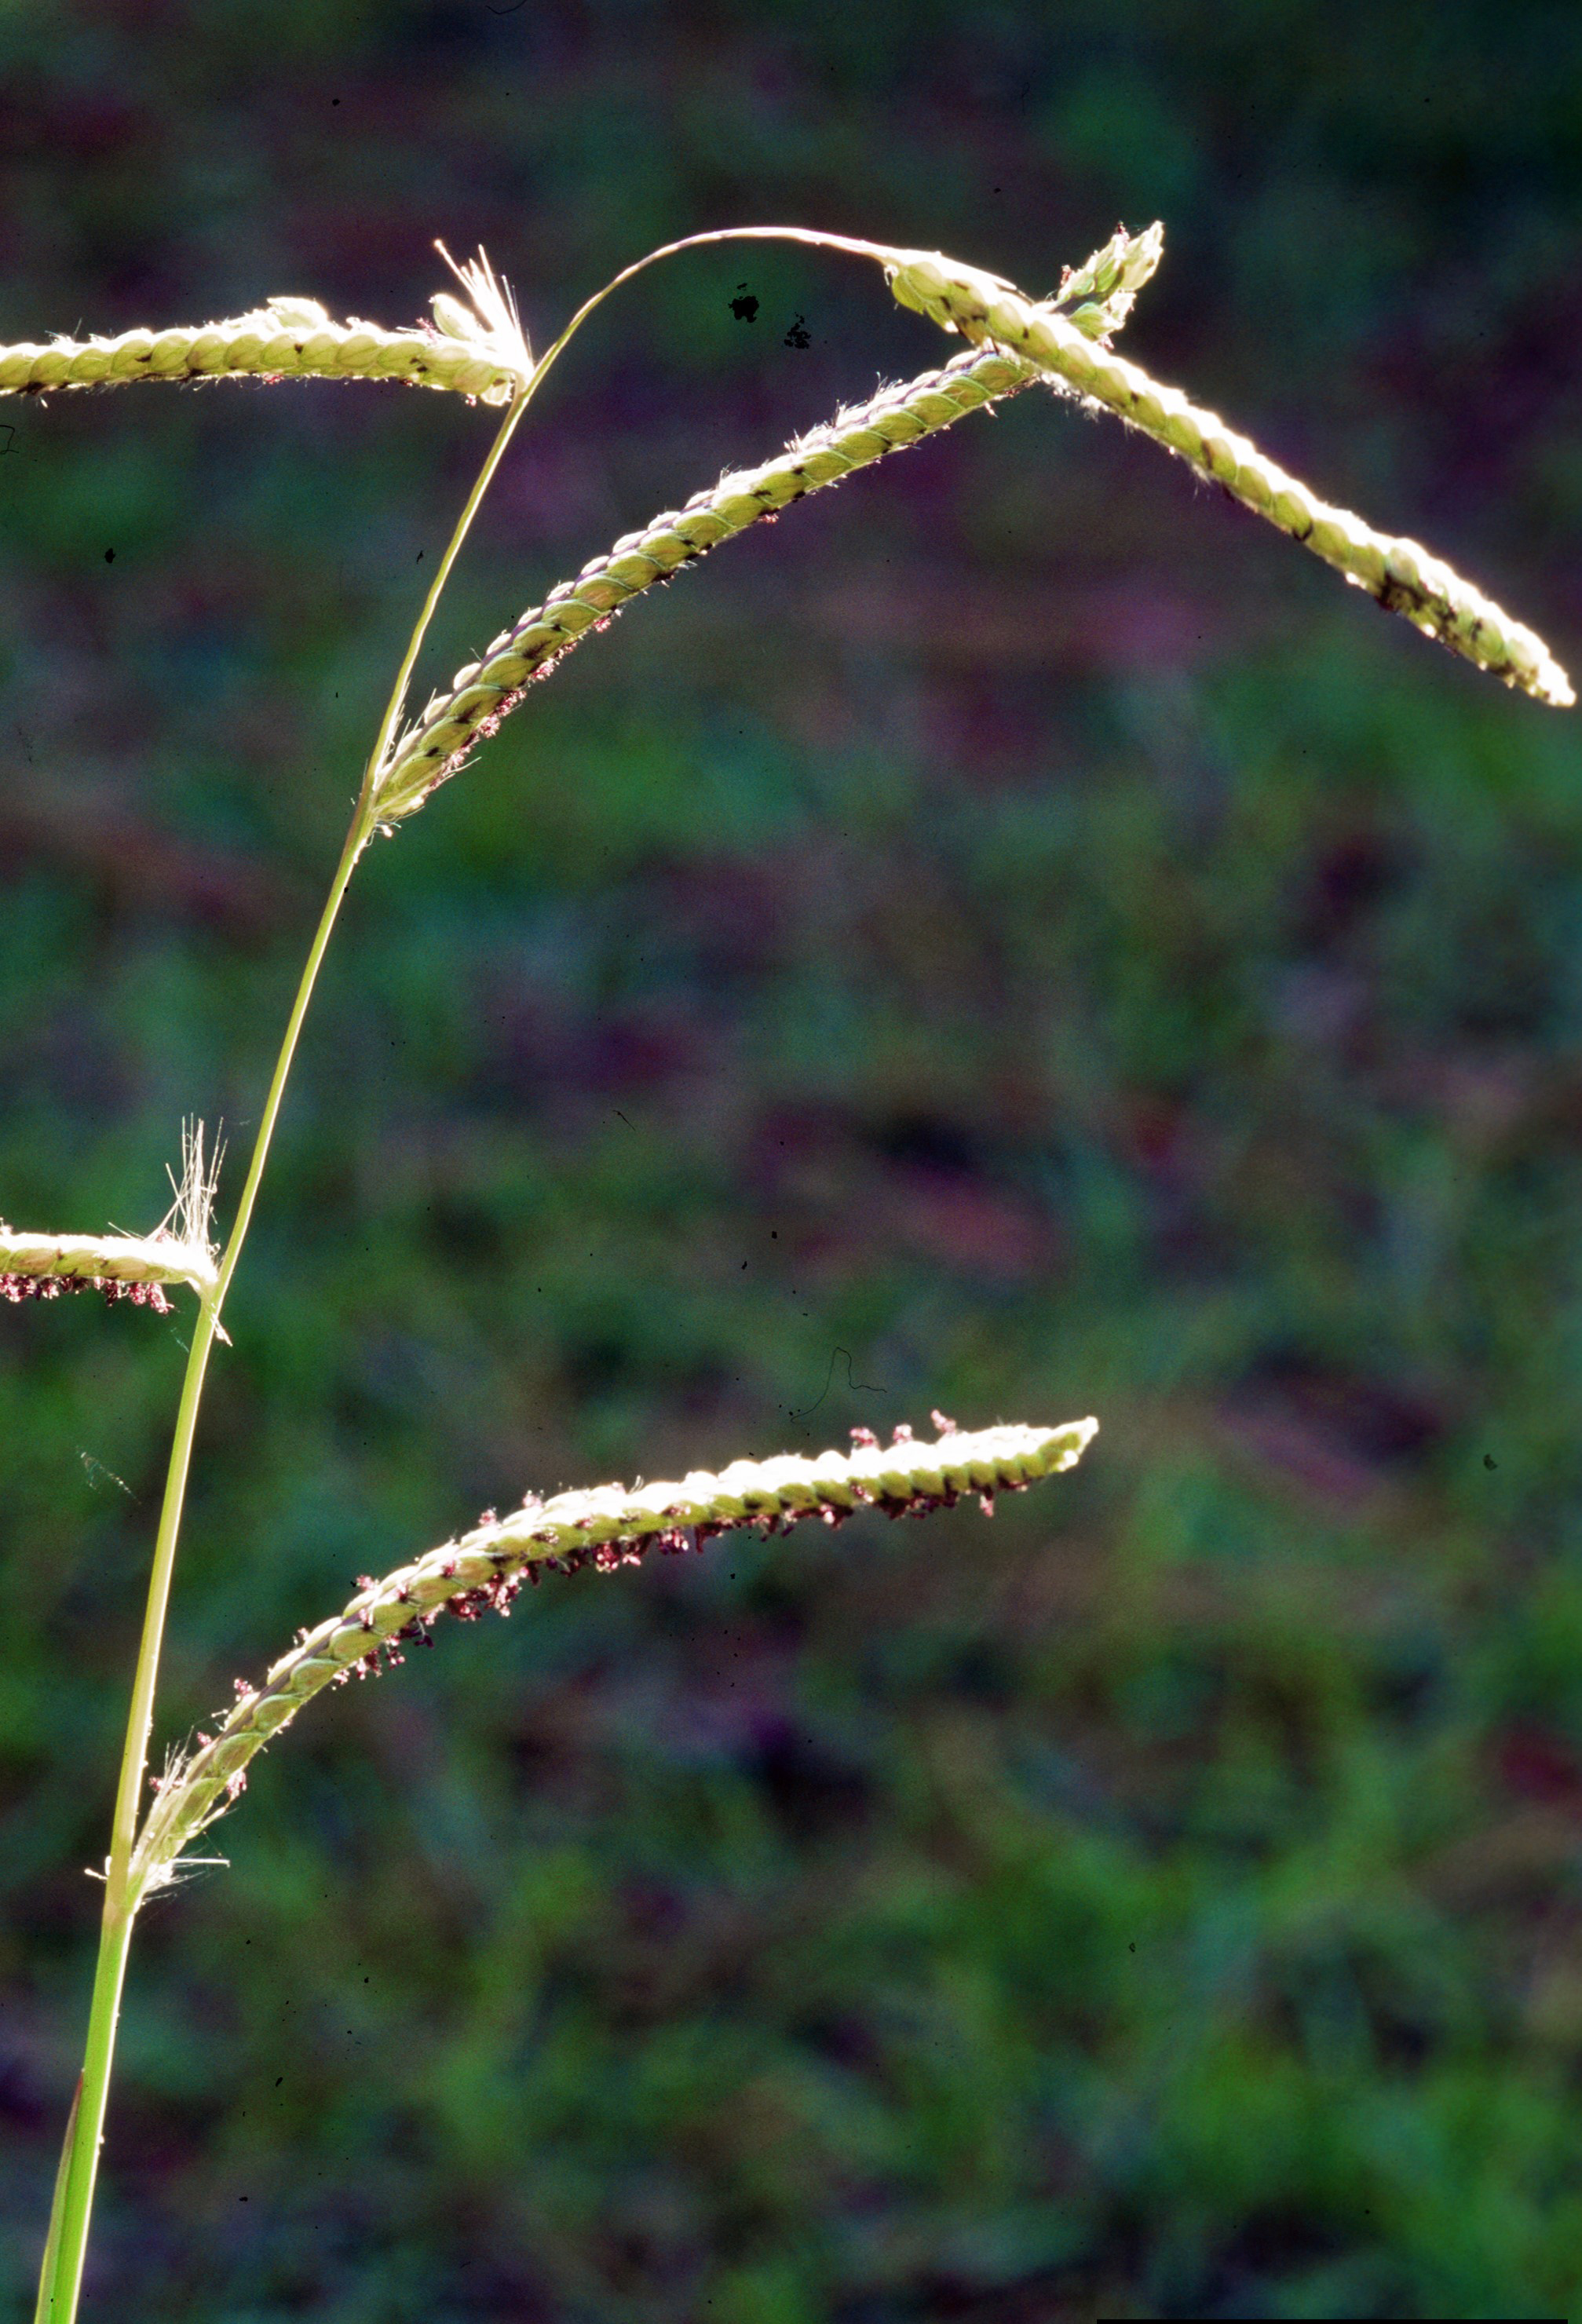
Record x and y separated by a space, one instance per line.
1016 936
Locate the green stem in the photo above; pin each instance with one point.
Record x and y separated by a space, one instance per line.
398 693
52 2244
60 2277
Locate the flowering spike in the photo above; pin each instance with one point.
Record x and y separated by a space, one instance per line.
435 746
606 1526
485 357
1400 573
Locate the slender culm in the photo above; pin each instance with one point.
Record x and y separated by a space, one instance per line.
606 1526
1401 574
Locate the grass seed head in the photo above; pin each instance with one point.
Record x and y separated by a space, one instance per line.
1402 575
605 1529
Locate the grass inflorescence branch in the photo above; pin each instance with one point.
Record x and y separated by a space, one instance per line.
605 1526
1401 574
122 1266
481 694
475 347
288 338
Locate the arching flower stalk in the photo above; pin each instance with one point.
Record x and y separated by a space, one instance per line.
1067 346
606 1526
477 350
1402 574
437 745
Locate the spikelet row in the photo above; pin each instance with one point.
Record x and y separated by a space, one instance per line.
122 1266
290 338
606 1526
484 691
1401 574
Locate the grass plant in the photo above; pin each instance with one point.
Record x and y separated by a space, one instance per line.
478 349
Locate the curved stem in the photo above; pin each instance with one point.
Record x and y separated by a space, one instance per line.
464 524
61 2274
805 234
60 2277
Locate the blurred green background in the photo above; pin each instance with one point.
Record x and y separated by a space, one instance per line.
1016 936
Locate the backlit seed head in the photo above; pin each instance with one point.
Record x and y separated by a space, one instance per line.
769 1496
